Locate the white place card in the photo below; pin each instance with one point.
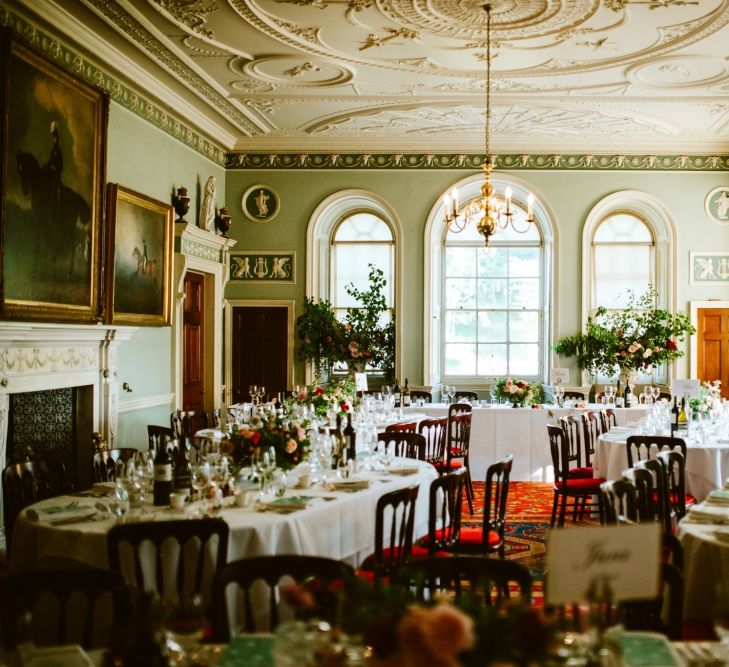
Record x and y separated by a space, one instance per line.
360 381
560 375
690 388
627 558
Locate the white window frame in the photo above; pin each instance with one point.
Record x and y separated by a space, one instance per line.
661 225
434 252
319 234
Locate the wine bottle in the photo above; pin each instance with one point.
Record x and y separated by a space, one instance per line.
627 396
406 400
682 420
350 439
396 393
340 450
619 398
162 477
181 480
674 416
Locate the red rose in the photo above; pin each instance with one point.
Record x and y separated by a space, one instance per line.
671 345
318 391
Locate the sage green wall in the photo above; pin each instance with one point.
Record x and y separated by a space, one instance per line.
571 195
149 161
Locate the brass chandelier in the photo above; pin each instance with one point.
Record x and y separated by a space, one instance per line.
488 212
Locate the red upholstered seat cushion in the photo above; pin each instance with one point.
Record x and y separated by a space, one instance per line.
580 485
369 576
451 465
458 452
474 536
584 472
369 563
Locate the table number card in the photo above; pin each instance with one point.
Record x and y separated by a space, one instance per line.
627 558
560 375
360 381
690 388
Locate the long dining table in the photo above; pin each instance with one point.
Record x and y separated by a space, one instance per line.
500 430
334 523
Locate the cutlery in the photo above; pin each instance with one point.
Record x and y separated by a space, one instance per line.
74 519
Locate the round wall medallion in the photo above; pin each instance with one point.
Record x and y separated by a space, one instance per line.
716 204
260 203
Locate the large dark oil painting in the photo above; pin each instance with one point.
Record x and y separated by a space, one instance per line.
54 139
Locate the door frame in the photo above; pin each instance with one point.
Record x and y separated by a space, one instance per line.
230 304
694 307
202 252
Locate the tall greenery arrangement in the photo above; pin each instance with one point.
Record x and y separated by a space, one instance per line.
634 338
363 338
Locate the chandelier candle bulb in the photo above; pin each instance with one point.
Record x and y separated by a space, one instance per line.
530 208
507 196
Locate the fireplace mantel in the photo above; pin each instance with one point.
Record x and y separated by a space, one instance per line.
40 356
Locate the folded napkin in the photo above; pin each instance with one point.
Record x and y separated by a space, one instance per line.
718 497
349 484
404 471
647 649
59 514
289 504
103 488
708 513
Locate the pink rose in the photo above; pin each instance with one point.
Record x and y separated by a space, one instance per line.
291 446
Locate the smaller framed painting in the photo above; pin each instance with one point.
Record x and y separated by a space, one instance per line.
263 266
716 205
260 203
138 259
709 268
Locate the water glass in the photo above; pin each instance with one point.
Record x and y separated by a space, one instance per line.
121 501
184 622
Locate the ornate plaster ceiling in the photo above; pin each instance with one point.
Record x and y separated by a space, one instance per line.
366 75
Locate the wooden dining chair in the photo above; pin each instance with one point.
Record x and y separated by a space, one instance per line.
323 575
181 556
444 513
574 434
420 393
575 492
434 431
407 445
104 463
646 499
159 436
394 532
489 537
607 419
458 444
492 581
471 396
619 501
674 463
185 423
402 427
642 447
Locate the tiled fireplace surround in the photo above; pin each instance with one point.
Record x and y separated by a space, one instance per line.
38 357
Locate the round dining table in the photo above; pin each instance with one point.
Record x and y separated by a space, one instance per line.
707 463
333 522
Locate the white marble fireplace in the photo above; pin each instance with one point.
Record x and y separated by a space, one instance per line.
39 356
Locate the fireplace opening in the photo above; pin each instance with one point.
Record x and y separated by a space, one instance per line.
55 425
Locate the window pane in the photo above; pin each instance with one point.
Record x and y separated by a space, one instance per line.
492 327
460 293
350 263
619 269
460 326
523 360
524 262
622 228
524 293
524 327
492 293
492 262
363 227
460 359
492 360
461 262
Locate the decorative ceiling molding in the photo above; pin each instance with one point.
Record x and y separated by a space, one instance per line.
123 95
401 161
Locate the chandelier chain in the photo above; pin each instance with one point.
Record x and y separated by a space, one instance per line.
488 81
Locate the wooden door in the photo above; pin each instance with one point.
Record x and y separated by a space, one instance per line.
260 349
712 333
193 359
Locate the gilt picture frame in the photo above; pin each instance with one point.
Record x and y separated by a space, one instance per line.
138 259
53 146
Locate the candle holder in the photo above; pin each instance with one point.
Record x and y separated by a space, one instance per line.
222 221
181 202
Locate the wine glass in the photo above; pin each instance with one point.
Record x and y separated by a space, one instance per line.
253 391
261 393
121 500
184 622
144 468
266 464
200 478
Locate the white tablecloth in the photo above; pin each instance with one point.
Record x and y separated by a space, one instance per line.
706 466
342 528
499 431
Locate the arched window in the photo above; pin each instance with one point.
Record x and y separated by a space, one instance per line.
487 309
623 260
347 231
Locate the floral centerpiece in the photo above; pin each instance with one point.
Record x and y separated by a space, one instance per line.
709 397
364 338
632 339
287 438
337 397
517 392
